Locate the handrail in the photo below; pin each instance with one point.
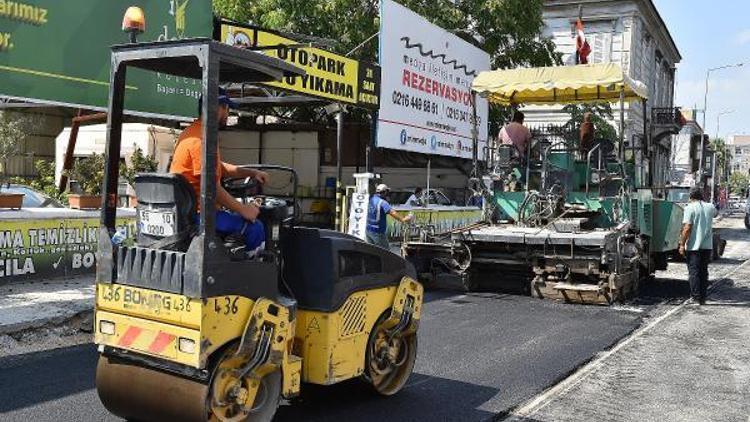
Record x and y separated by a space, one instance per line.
545 159
588 165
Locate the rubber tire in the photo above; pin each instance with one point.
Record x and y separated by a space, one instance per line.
275 378
410 364
273 383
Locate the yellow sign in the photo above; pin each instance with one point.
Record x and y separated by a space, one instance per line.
329 76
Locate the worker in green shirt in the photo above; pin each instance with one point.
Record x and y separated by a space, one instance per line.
696 242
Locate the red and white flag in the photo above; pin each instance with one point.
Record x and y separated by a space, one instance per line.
583 49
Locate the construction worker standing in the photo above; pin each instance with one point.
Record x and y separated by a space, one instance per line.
376 217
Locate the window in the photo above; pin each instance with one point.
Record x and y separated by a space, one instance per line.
352 264
738 150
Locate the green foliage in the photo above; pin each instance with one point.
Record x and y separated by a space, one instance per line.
723 156
89 173
599 112
139 163
45 180
738 183
14 128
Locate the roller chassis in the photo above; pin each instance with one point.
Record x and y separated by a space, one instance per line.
191 328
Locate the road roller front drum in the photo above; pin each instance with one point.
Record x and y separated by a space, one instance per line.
135 392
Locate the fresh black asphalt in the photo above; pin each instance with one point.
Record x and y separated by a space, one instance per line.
479 356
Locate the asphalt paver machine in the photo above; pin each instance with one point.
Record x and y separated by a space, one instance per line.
561 222
189 331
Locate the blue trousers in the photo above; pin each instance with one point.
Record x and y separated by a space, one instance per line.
230 223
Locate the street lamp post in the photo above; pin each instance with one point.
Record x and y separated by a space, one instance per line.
714 162
718 121
705 105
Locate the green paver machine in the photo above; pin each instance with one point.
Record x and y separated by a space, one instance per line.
563 222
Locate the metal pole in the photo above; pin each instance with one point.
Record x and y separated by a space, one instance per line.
622 125
339 169
703 128
474 137
373 142
429 166
114 141
705 100
718 122
69 152
713 177
646 147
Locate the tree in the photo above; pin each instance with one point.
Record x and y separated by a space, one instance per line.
599 113
510 31
139 163
89 173
14 128
723 156
738 183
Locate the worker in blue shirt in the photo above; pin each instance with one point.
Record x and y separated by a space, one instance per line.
376 217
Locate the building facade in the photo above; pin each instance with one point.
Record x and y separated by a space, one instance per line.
681 168
630 33
740 149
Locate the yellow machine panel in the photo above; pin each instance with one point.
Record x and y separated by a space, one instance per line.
218 320
333 345
147 337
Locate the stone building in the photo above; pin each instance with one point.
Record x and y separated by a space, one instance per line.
740 149
630 33
681 163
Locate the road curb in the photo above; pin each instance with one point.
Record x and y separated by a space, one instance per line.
50 321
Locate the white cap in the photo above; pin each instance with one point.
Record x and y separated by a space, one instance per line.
381 188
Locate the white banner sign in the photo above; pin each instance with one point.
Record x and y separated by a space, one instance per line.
426 101
358 215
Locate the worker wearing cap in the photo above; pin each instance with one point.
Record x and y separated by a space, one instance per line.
239 218
376 217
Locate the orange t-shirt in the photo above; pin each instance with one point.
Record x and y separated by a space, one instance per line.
187 157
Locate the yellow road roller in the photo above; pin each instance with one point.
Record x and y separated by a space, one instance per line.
188 327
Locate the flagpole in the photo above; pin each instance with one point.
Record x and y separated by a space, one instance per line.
580 19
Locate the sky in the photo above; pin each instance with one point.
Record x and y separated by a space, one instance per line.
712 33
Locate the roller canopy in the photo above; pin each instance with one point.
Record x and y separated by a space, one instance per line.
556 85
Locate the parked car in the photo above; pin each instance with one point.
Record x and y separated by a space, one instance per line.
747 214
32 198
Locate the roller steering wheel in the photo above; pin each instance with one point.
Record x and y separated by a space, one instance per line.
243 187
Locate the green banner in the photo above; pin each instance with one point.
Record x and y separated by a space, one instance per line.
39 249
58 52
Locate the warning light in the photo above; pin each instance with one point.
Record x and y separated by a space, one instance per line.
134 22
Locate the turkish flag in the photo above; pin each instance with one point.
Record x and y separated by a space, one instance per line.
583 49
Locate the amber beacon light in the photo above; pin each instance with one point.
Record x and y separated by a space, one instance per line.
134 22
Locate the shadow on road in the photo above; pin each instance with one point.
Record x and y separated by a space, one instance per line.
24 384
423 397
729 293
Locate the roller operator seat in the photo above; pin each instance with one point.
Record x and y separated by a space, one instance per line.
166 211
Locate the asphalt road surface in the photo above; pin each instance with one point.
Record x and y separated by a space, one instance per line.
479 355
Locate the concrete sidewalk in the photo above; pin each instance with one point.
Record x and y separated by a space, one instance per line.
688 363
26 306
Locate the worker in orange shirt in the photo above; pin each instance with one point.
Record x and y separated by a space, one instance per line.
238 218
